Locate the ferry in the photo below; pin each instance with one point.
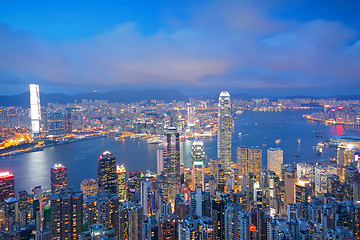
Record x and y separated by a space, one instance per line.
298 140
240 134
154 141
277 141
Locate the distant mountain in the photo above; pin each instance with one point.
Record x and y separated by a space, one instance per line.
123 96
130 96
347 97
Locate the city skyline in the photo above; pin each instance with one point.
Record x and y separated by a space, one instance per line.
193 195
180 120
247 46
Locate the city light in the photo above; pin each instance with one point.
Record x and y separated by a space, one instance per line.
6 174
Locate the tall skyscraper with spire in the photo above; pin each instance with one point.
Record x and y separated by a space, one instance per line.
172 163
35 109
224 130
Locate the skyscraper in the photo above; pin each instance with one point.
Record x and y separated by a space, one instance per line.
172 163
237 222
131 221
35 109
67 123
121 182
89 187
198 155
55 123
108 210
11 213
107 172
66 214
275 160
249 160
224 130
58 177
160 160
345 156
6 186
191 114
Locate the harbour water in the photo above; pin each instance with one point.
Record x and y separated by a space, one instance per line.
257 129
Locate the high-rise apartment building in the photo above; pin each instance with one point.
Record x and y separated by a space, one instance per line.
11 213
305 169
35 109
58 177
131 221
172 164
198 155
249 160
218 218
290 180
107 172
108 210
6 186
121 182
55 124
67 123
23 207
237 222
224 130
160 160
275 160
201 228
322 172
66 214
168 227
89 187
345 156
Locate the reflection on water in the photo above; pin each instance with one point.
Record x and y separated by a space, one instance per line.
80 158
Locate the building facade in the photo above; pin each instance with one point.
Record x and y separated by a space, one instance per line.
224 130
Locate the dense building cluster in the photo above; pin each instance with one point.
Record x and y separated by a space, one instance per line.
214 199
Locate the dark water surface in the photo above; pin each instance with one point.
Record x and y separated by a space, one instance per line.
257 128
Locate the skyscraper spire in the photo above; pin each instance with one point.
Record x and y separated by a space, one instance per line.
224 130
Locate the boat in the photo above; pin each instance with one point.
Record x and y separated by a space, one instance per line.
319 147
296 155
277 141
154 141
298 140
319 134
239 134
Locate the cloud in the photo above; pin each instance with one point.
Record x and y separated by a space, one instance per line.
224 45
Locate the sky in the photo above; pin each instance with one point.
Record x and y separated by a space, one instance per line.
270 48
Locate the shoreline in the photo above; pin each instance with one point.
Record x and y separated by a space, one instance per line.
52 144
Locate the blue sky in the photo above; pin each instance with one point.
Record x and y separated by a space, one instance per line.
274 48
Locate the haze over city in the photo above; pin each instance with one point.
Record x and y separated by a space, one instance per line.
274 48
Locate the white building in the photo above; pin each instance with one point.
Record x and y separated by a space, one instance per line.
35 109
305 169
275 160
322 172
